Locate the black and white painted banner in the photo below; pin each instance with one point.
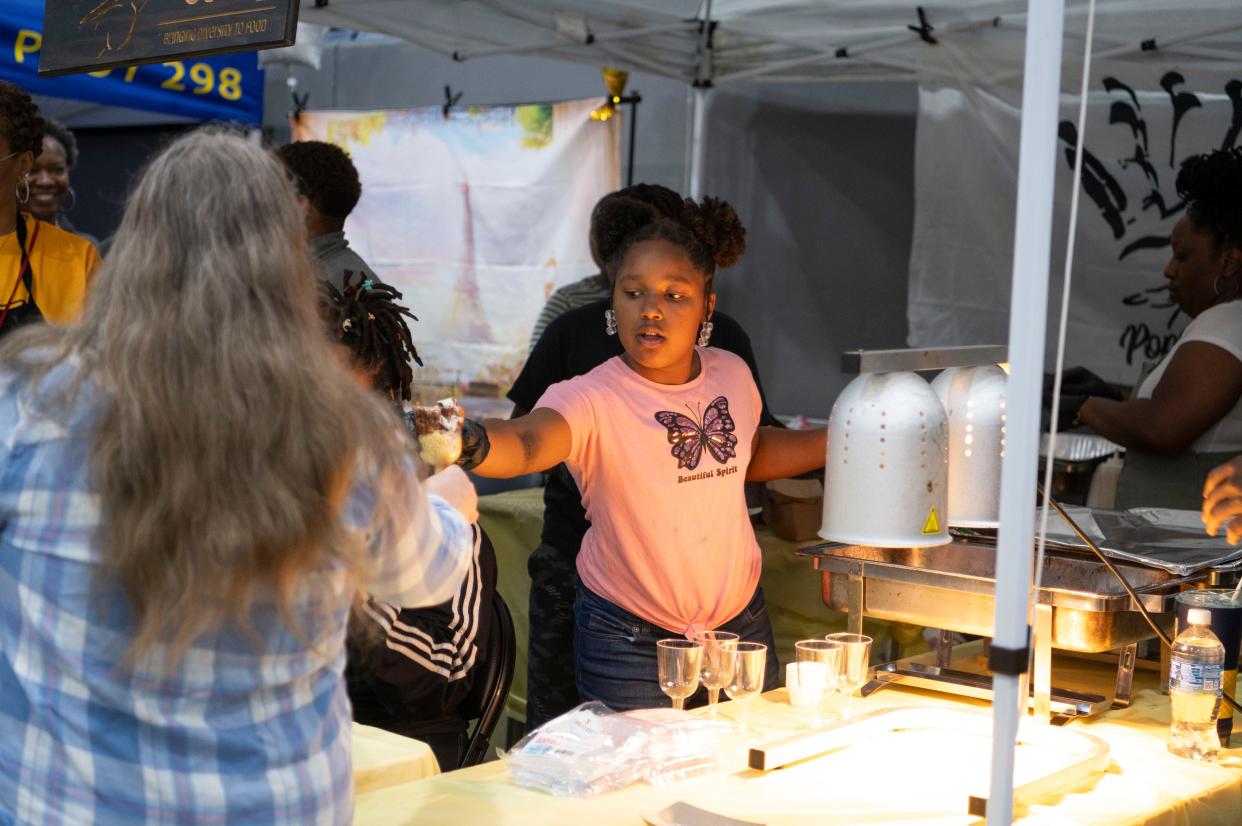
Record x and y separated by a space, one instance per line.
1144 117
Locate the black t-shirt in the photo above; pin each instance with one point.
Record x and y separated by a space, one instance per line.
576 343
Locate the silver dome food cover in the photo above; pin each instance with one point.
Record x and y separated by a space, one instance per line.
886 474
974 399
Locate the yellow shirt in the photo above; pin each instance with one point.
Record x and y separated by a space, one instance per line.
63 264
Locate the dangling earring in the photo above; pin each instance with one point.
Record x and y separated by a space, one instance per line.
610 322
73 199
705 333
25 183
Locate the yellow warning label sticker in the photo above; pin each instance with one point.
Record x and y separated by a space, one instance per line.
932 525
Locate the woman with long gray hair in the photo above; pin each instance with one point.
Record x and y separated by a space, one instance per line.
192 491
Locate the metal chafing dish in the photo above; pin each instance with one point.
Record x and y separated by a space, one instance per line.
1081 608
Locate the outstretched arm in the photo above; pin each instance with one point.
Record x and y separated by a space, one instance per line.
780 453
528 444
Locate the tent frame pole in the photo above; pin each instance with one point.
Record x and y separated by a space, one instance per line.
1028 314
703 71
632 100
698 137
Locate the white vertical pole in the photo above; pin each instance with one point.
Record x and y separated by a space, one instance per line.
704 69
698 139
1028 315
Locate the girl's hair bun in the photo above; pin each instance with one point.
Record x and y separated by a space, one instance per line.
708 230
716 226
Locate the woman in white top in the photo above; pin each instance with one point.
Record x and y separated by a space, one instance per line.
1186 417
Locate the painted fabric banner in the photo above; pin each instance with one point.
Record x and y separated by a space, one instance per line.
1144 117
476 218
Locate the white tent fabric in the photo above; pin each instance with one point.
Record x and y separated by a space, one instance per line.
785 40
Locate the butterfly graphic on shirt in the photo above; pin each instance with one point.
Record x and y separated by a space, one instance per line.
690 434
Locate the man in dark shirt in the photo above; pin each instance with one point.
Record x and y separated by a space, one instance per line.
328 190
573 344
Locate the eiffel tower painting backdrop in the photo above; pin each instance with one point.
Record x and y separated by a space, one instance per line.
476 217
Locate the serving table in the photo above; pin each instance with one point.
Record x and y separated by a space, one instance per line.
383 759
906 778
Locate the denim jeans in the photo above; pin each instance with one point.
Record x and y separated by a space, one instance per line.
615 651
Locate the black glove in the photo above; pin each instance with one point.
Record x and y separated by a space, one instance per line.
1067 413
474 445
1079 381
1077 385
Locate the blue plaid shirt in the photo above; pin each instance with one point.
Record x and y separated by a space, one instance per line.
229 735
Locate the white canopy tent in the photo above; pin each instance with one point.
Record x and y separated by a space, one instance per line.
799 40
708 43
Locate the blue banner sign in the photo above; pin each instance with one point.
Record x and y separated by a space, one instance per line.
228 88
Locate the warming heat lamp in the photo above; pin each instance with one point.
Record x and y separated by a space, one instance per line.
886 473
894 441
974 399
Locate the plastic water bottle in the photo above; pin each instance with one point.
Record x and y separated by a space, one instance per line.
1194 688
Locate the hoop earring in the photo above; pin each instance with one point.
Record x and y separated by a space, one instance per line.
73 200
705 333
26 183
1216 288
610 322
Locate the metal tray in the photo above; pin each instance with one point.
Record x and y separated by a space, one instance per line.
952 587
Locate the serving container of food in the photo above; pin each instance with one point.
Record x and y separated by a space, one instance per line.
951 587
1080 608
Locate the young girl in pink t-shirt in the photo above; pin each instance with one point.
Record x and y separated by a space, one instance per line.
660 441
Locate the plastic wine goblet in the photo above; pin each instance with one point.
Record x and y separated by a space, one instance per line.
854 663
717 667
679 662
818 671
749 660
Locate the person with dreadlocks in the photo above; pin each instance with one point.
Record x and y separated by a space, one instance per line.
411 670
328 190
365 317
44 270
1186 416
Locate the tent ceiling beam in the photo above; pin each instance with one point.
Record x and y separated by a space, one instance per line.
1203 51
820 55
1157 44
592 39
604 41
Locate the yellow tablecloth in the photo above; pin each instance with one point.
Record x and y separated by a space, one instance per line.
383 759
514 521
914 780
